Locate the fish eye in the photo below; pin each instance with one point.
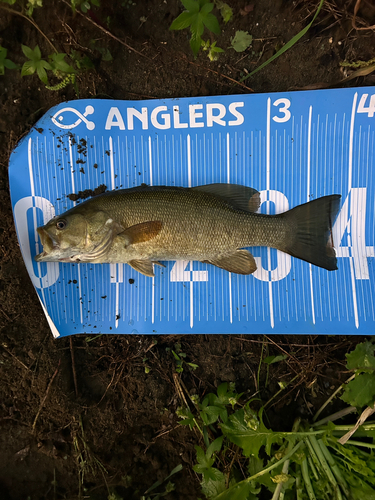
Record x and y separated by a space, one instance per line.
61 224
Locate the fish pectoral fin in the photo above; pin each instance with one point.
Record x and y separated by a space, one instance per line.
241 197
142 232
239 262
143 266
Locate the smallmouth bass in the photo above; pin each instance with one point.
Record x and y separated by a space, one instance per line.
212 224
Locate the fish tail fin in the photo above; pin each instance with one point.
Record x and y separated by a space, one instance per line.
311 231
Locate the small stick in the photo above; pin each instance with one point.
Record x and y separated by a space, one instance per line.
354 24
5 314
73 366
107 32
221 74
15 357
46 395
12 11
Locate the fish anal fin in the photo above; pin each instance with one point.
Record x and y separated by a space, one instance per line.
142 232
143 266
240 197
239 262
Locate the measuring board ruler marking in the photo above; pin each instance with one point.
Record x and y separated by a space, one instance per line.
292 147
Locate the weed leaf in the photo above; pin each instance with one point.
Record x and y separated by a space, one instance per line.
4 62
36 63
241 41
183 21
237 431
275 359
240 491
28 68
360 391
191 5
195 44
197 26
210 414
211 22
59 64
213 482
225 11
30 53
204 462
214 446
362 358
41 71
206 8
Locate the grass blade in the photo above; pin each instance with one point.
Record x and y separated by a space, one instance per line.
287 46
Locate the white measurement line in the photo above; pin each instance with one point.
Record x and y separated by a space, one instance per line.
114 269
188 151
230 274
32 189
153 278
308 197
350 181
191 296
150 158
268 184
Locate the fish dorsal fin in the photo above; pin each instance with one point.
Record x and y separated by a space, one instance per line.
239 262
242 197
142 232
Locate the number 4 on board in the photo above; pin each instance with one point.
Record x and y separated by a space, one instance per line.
370 110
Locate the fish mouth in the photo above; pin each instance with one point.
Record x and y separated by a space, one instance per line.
50 247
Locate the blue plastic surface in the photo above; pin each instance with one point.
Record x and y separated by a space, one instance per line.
292 147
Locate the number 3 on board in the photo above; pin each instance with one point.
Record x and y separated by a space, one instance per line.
370 110
282 109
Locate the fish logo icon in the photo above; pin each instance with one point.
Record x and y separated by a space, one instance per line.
58 118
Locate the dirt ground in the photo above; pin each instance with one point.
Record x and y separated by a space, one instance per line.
80 417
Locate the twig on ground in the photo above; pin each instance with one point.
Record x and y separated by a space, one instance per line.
73 366
12 11
108 32
15 357
46 395
354 24
223 76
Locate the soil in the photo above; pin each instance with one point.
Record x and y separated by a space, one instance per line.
80 417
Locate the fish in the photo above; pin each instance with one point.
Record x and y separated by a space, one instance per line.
215 224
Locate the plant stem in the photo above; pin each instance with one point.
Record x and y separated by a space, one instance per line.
313 457
260 365
370 426
332 397
306 478
334 467
325 466
360 443
313 468
281 390
299 486
273 466
12 11
335 416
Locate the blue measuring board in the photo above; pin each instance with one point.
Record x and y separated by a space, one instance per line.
292 147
